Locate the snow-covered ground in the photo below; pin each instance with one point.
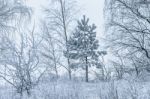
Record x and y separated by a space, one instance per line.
121 89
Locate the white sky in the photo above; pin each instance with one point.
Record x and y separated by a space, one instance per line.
94 10
91 8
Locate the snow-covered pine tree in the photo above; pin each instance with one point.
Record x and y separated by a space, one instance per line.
83 45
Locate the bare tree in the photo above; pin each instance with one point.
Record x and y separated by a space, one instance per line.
60 21
21 61
17 54
9 11
102 73
50 50
128 24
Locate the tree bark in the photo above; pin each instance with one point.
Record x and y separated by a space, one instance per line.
86 72
69 69
66 36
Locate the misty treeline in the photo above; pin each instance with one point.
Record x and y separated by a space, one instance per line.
63 43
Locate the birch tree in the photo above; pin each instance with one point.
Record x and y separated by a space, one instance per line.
60 18
19 56
21 61
50 50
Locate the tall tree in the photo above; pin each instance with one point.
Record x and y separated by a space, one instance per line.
128 30
83 45
60 20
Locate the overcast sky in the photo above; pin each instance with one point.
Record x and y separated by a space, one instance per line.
92 8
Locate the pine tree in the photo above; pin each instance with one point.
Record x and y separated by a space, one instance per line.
83 45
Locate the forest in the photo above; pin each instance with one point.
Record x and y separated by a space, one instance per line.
59 54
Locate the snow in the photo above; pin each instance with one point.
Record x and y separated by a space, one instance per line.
121 89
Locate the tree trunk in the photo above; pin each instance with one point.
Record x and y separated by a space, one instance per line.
28 92
103 75
69 69
56 71
86 72
65 32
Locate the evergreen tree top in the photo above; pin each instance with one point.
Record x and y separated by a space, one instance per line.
83 41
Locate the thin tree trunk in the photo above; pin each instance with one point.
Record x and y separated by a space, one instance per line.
103 75
86 72
66 37
69 69
28 92
55 61
56 70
